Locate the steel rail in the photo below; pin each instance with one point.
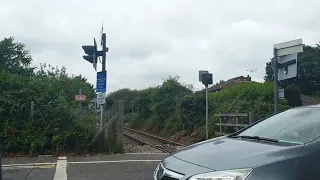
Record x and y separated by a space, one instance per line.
154 137
141 142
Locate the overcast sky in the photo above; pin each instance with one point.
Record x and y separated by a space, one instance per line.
149 40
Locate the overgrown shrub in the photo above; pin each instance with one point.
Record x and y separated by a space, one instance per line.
292 94
169 110
54 125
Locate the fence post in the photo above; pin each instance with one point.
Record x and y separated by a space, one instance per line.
250 118
237 120
220 120
120 126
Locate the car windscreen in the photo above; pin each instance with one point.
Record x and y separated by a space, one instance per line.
299 125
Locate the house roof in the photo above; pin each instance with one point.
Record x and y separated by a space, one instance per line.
235 80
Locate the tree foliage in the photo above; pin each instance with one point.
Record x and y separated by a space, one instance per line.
173 106
127 95
55 125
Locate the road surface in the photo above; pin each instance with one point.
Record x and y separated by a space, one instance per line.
107 167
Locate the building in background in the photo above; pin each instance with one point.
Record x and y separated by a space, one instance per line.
225 84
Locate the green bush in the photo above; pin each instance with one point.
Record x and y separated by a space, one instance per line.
292 94
173 106
55 125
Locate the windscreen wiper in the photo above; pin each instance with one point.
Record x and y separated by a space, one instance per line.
258 138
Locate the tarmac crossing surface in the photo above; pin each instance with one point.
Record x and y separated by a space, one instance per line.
101 167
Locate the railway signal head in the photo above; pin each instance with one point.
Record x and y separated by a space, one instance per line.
92 53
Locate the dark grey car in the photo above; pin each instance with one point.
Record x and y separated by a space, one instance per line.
285 146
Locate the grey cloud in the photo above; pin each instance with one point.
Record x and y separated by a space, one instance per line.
40 45
150 39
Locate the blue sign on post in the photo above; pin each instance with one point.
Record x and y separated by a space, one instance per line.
101 81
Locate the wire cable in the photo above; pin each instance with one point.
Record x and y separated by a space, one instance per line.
314 19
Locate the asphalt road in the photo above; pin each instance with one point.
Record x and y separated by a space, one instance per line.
106 167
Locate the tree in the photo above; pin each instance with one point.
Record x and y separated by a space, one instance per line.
14 57
127 95
308 78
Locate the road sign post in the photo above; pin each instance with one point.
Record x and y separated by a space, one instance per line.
287 66
275 80
104 86
101 98
80 97
101 81
206 78
93 106
285 59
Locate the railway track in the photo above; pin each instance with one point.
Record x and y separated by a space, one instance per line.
156 142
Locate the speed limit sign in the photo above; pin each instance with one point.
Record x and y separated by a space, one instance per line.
93 106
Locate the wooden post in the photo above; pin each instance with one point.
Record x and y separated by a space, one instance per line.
237 122
251 120
112 130
109 116
120 126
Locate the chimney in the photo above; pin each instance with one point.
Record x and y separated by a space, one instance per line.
248 78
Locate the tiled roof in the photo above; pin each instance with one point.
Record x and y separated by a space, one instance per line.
235 80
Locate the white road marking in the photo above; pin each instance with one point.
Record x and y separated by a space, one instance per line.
44 156
61 169
28 164
30 167
146 153
62 158
118 161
